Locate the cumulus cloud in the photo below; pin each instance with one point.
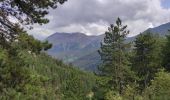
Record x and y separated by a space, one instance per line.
92 17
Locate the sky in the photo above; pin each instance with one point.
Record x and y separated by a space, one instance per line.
92 17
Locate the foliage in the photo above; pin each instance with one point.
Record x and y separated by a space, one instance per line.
24 12
113 96
17 80
113 55
25 41
166 53
147 58
160 87
101 87
28 73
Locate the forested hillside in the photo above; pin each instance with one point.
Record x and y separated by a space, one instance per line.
129 70
135 71
28 73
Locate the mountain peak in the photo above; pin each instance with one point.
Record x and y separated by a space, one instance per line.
66 34
162 30
81 49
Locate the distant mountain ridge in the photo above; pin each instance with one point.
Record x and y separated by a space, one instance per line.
81 50
162 30
70 47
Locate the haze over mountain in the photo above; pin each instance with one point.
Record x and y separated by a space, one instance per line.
81 50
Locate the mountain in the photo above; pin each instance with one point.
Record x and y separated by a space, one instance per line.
88 62
162 30
81 50
77 48
72 47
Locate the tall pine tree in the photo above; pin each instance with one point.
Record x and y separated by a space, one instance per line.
147 59
113 55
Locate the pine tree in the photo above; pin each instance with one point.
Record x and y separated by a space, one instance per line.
166 54
24 12
113 54
147 59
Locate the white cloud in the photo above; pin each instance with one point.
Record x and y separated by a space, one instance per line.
93 16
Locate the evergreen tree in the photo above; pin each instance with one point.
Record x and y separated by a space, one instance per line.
166 54
147 59
112 52
25 41
159 88
24 12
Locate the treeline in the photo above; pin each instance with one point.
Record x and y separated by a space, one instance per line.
130 71
27 73
134 71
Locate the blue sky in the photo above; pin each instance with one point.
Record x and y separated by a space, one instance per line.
92 17
166 3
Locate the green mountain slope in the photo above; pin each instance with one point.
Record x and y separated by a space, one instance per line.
88 62
68 82
28 73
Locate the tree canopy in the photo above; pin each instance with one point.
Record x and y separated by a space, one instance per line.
113 55
14 14
147 59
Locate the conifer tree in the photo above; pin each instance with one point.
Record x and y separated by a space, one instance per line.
147 59
166 53
14 14
113 54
